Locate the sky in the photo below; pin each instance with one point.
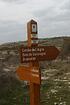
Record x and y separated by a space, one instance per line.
52 16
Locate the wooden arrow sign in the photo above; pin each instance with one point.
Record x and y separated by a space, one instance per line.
29 74
39 53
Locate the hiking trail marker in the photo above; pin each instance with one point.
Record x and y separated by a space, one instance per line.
31 55
29 74
38 53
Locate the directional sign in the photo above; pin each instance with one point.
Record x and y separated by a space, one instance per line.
38 53
29 74
32 54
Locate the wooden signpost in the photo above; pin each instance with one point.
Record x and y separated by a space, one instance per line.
32 54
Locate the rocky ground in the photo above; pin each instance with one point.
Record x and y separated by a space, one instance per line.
55 88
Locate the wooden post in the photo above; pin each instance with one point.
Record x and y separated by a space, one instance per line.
33 41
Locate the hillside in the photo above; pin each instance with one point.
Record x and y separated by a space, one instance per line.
55 86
